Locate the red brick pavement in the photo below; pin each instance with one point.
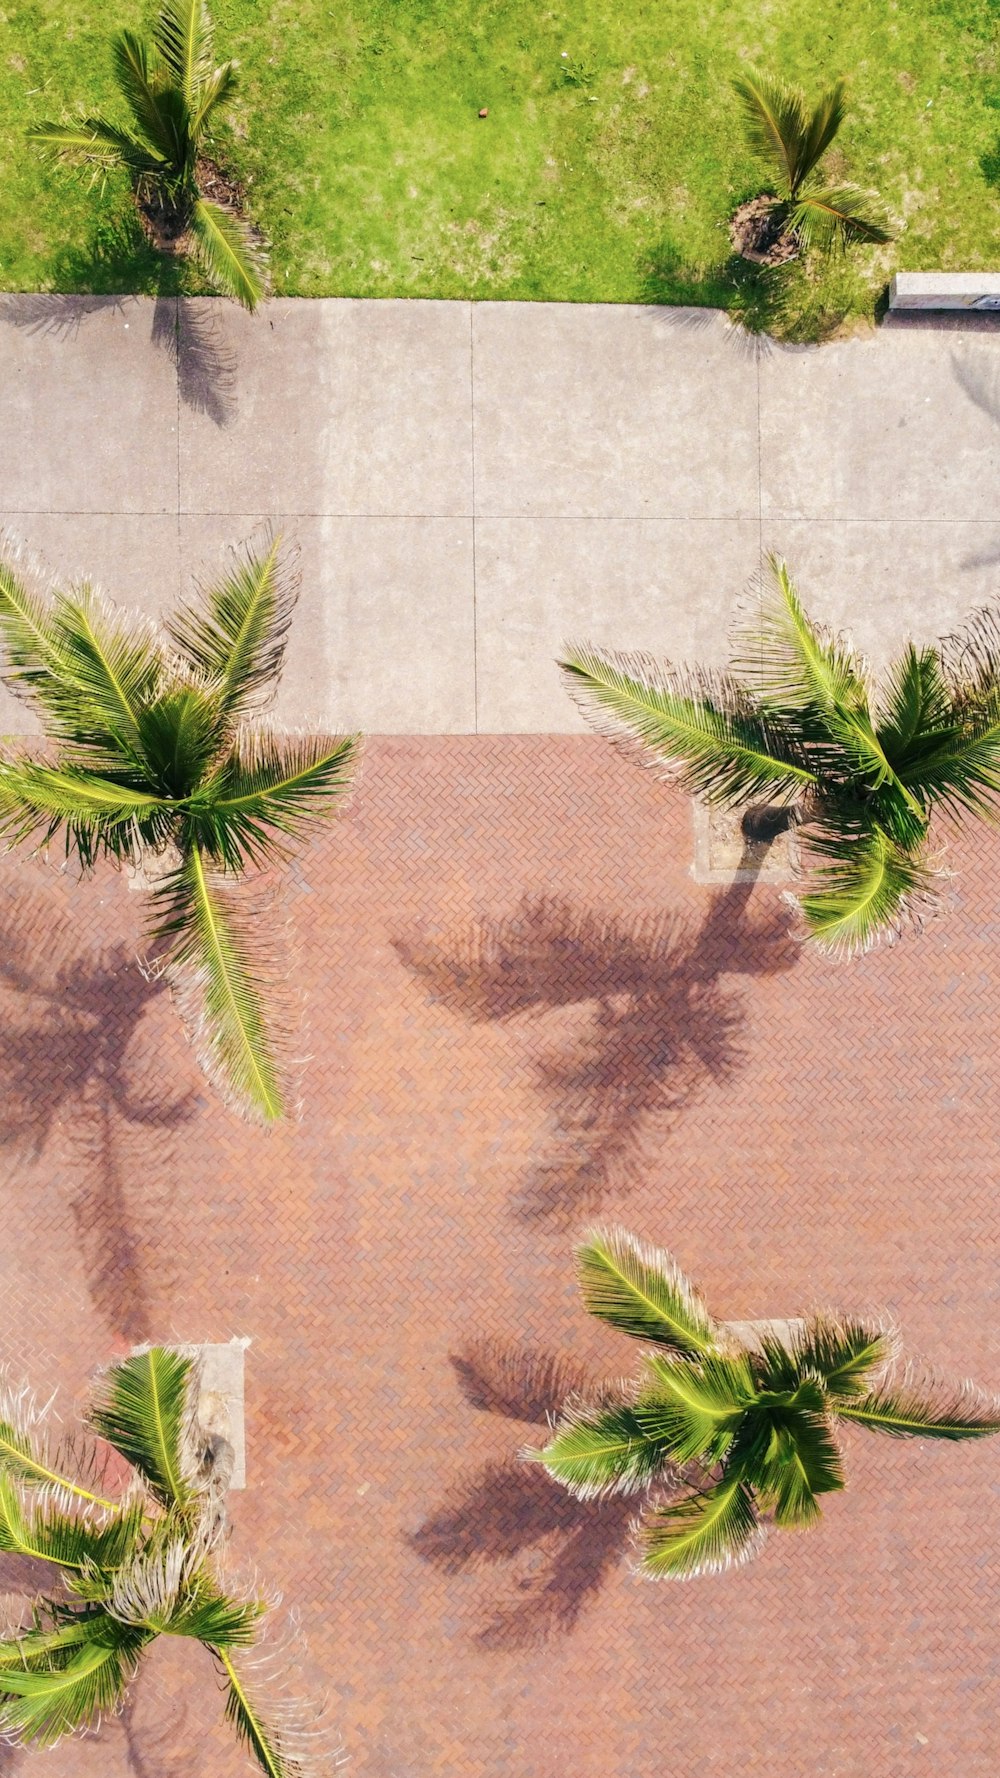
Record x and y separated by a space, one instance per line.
520 1013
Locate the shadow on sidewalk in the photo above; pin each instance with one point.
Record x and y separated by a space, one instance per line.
73 1062
559 1551
661 1024
190 332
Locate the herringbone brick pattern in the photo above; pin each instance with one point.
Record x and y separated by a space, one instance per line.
521 1013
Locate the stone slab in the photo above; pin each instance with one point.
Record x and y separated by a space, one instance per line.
612 411
221 1400
662 587
89 404
945 290
898 425
326 408
383 638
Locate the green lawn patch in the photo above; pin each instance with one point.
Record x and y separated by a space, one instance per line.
605 171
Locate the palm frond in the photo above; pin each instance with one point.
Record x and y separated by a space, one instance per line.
801 1458
642 1291
699 728
27 1458
834 217
87 1549
794 664
213 92
98 815
920 1406
218 977
694 1409
705 1533
41 1706
843 1352
110 663
26 627
216 1618
275 1735
961 774
95 139
970 661
149 100
234 637
823 124
228 253
178 735
184 37
146 1408
167 1587
776 123
915 710
270 784
50 1533
47 1644
866 890
602 1450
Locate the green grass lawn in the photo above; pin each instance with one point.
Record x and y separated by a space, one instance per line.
606 169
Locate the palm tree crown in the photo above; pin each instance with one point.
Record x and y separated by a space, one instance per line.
173 90
127 1568
792 140
756 1423
160 744
798 721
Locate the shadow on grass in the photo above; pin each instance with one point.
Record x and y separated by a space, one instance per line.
72 1061
119 265
661 1026
558 1551
788 305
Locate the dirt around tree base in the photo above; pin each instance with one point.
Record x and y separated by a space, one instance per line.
755 230
164 224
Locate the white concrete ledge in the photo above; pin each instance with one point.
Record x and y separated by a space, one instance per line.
220 1402
945 290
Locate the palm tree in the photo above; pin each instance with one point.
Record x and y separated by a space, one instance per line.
161 745
792 140
173 91
127 1566
754 1419
797 723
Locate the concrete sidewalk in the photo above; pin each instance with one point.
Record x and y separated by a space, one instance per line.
469 484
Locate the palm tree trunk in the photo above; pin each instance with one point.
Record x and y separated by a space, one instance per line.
763 823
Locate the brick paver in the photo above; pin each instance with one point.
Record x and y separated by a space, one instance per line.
521 1012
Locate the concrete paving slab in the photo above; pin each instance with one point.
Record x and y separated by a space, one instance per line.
663 586
90 405
609 411
887 582
618 485
133 558
383 638
905 424
335 407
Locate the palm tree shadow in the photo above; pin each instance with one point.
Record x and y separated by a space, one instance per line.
72 1060
120 258
662 1023
557 1551
191 332
152 1750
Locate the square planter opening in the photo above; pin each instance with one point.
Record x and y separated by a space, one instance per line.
724 854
